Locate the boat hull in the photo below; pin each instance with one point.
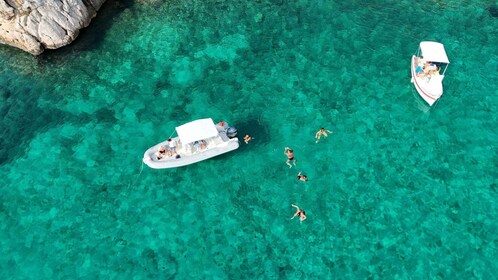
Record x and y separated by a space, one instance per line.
421 86
174 162
186 154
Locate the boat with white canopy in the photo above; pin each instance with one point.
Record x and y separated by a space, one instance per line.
196 141
428 67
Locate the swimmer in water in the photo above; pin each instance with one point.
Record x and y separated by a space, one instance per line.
300 213
321 132
290 156
302 177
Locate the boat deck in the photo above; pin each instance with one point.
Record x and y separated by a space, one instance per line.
425 75
191 149
215 143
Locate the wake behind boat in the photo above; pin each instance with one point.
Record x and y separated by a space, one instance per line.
426 67
196 141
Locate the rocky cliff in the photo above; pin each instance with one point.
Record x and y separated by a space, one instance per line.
36 25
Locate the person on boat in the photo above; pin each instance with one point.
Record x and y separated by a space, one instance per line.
290 156
200 144
300 213
161 153
420 68
429 67
172 145
203 144
432 67
321 132
434 72
302 177
247 138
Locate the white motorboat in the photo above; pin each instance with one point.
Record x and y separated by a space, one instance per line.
196 141
427 65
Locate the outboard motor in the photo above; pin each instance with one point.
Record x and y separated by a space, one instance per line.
231 132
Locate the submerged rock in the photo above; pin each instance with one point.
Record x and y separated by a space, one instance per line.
493 11
36 25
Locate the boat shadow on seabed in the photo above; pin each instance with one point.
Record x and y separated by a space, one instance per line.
256 129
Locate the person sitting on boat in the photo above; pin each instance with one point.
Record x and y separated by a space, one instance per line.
429 67
203 144
420 67
434 72
419 70
247 138
172 145
200 144
161 153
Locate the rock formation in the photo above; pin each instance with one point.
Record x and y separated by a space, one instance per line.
36 25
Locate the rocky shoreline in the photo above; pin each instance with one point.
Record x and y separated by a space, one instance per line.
36 25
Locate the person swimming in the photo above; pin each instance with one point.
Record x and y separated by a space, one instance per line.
300 213
302 177
321 132
247 138
203 144
290 156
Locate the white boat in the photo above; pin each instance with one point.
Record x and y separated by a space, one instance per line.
427 66
196 141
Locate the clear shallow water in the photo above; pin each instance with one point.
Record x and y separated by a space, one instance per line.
398 191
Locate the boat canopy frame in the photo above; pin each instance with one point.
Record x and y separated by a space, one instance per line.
196 130
433 52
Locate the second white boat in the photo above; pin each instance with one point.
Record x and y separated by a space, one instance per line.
428 68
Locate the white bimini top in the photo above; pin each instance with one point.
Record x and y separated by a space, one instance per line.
434 52
196 130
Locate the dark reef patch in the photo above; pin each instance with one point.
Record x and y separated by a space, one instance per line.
493 11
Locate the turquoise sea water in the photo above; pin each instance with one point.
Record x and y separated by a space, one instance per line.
398 191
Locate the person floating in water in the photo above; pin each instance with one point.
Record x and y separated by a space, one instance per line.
302 177
247 138
290 156
300 213
321 132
